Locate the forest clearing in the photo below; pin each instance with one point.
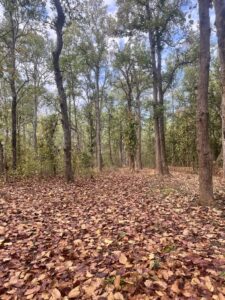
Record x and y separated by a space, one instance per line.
119 235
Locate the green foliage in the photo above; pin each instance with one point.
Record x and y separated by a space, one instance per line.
131 136
48 151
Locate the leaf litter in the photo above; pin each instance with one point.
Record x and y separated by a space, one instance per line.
119 235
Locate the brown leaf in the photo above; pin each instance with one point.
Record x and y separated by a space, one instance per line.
2 230
175 287
123 259
56 294
74 293
110 297
208 284
221 296
32 291
148 283
118 296
92 287
117 282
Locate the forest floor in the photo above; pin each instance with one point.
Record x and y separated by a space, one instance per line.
119 235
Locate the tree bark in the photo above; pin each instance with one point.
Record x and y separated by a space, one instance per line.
152 42
1 159
158 157
121 146
139 133
203 145
77 131
110 136
220 27
161 110
59 24
98 123
13 93
35 110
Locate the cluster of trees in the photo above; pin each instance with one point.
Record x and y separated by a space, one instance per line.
125 86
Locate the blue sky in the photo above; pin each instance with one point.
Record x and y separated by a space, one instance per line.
111 5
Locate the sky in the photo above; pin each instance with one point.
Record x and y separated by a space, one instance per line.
111 5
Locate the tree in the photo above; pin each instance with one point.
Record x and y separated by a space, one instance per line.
158 19
18 16
59 24
203 146
35 61
220 25
93 48
131 64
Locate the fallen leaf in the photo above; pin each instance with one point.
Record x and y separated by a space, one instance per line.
175 287
148 283
118 296
221 296
117 282
2 230
56 294
123 259
32 291
208 284
74 293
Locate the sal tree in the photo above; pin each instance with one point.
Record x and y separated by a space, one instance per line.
220 25
19 19
59 24
161 21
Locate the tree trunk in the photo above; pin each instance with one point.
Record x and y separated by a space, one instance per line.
18 146
121 146
109 137
1 159
203 146
161 110
139 129
62 95
158 157
152 43
220 27
76 124
14 127
35 122
98 123
12 48
35 110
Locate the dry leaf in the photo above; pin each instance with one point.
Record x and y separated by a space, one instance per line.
56 294
208 284
110 297
148 283
32 291
123 259
117 282
221 296
2 230
74 293
175 287
118 296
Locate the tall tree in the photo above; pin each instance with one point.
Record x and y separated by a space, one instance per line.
158 19
203 145
35 61
59 24
18 17
131 63
220 27
93 47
